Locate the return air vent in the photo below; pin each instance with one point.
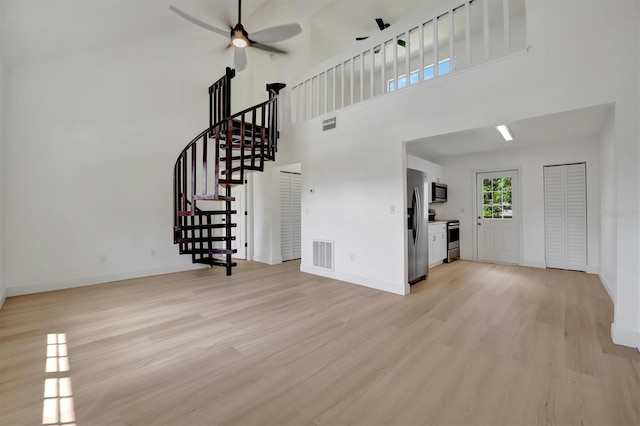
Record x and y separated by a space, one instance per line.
323 254
328 124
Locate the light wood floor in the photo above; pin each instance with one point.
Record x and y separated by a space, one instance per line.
475 344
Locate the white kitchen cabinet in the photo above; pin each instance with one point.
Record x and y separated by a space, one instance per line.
436 173
437 243
412 162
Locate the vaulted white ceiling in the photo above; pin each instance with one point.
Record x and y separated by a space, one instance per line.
39 30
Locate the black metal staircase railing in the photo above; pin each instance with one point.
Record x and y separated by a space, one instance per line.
234 144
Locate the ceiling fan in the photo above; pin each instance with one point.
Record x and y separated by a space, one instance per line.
240 39
383 26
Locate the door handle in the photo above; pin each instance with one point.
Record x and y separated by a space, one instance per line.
418 217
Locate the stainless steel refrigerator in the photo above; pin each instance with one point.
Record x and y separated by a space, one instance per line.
417 237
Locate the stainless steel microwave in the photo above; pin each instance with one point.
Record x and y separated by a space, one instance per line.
438 192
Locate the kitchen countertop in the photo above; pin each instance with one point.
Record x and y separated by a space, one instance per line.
436 222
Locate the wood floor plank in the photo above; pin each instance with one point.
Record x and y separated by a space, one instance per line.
474 343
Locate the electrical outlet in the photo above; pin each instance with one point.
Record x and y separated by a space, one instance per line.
154 252
103 258
392 209
352 257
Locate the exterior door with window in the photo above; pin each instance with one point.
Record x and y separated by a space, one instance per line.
497 225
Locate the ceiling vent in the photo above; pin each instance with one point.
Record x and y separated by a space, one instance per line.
323 254
328 124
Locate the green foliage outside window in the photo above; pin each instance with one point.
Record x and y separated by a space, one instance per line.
497 198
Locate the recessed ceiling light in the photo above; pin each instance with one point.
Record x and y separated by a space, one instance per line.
505 131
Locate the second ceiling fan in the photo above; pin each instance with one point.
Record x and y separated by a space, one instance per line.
383 26
240 39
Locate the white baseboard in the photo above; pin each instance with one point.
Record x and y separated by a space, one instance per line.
608 287
592 270
355 279
101 279
533 264
625 337
266 259
3 297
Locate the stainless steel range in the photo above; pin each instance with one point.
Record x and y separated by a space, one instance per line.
453 241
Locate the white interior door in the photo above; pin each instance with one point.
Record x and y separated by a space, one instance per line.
240 219
290 218
565 216
498 232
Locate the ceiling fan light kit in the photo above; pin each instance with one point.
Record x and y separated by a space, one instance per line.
240 39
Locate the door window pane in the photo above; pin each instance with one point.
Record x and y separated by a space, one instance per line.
497 198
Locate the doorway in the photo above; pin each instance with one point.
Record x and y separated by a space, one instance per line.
498 217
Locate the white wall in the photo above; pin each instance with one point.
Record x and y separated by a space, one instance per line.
608 217
461 175
358 171
3 286
90 145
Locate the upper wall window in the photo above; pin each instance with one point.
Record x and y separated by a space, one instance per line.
444 67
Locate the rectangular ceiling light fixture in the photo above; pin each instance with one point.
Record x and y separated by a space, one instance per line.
505 131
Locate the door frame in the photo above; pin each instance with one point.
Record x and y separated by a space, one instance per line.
476 212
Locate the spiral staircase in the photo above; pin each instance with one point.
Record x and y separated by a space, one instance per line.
212 164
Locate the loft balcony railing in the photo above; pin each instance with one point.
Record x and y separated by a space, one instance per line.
473 33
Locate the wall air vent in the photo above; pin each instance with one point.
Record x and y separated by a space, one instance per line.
328 124
323 254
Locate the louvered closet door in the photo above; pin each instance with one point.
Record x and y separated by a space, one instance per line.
290 223
565 207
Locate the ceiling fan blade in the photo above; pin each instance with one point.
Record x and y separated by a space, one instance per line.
266 48
200 23
361 38
239 58
275 34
